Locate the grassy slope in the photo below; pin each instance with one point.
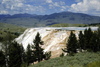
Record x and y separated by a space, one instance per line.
74 25
79 60
23 22
9 27
5 25
94 64
67 25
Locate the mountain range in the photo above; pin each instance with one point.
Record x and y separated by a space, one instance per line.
33 20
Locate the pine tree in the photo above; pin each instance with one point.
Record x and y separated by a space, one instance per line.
98 40
85 38
38 51
15 55
87 35
5 46
93 43
71 46
23 56
29 56
35 52
81 40
47 55
2 59
62 55
9 47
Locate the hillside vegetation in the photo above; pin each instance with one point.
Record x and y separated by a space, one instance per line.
14 30
74 25
11 27
78 60
68 25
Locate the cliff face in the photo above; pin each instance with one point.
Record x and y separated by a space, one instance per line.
55 39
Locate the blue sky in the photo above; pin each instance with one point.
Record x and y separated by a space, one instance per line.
42 7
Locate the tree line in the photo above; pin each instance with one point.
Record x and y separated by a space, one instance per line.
88 41
13 54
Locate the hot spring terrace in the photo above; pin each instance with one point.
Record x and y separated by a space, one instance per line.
66 28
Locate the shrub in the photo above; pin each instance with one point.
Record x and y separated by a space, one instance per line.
94 64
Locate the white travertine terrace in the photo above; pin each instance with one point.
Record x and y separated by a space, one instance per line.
55 38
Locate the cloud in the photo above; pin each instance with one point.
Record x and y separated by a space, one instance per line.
48 1
87 6
58 6
63 8
19 6
49 6
3 12
32 6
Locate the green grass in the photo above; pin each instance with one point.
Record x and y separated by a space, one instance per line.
10 27
5 28
94 64
67 25
79 60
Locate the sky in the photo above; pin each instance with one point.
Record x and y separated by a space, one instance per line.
43 7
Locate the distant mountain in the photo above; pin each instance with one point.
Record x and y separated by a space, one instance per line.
4 16
29 20
22 15
17 15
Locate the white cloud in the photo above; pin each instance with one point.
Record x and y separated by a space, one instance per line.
32 6
48 1
62 3
19 6
3 12
63 8
87 6
58 6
